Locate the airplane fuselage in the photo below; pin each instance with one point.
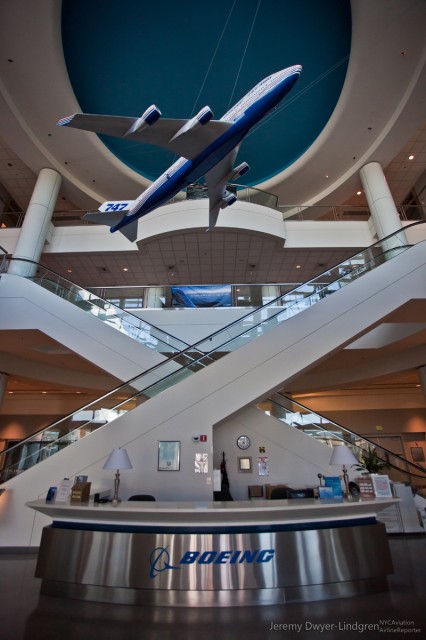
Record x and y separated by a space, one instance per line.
244 115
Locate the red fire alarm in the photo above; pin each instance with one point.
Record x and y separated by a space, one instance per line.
203 438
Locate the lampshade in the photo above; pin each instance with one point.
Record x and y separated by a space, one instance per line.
118 459
342 455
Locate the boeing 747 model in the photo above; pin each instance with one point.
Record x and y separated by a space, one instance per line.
208 148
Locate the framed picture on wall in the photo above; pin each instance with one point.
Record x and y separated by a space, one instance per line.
244 464
417 454
169 455
381 486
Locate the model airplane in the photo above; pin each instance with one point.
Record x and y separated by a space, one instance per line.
208 148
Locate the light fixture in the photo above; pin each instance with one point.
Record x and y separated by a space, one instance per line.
343 455
411 157
358 193
117 459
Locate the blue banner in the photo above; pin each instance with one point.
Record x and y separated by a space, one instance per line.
202 296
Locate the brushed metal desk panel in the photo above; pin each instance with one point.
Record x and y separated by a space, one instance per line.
158 561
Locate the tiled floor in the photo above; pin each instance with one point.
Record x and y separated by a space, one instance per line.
400 612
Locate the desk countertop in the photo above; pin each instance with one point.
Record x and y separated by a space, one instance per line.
213 514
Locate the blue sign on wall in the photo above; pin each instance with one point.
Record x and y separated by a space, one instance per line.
202 296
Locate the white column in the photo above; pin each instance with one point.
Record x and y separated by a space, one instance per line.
3 384
422 377
382 207
36 222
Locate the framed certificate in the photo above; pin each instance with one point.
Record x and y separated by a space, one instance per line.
381 486
417 454
169 455
244 465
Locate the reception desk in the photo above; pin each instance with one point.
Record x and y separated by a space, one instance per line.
213 553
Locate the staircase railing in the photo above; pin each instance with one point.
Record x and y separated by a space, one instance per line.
324 430
127 396
109 313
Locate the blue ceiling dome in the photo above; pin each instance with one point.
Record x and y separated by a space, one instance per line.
123 56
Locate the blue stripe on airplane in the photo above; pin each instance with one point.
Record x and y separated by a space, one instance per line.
245 115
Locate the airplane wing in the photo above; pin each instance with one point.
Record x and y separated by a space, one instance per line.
216 180
188 144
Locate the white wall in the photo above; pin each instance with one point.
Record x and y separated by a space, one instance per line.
193 214
294 458
190 325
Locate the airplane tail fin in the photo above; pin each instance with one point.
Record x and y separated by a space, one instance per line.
111 214
109 219
112 219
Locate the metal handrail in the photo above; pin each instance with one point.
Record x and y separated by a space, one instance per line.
166 339
352 434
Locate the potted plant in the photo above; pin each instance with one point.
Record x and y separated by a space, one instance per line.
371 463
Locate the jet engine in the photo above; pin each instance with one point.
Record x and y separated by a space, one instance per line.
239 171
201 118
147 119
228 199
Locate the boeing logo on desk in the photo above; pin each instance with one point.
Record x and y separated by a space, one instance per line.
160 557
159 561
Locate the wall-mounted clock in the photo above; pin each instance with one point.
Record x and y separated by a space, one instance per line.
243 442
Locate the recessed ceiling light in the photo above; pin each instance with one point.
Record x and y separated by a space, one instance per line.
358 193
44 391
411 157
298 266
125 269
69 270
326 175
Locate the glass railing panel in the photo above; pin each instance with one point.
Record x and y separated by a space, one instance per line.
207 351
290 304
115 317
3 259
330 433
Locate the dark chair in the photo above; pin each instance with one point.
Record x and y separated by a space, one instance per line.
255 491
142 497
280 493
300 494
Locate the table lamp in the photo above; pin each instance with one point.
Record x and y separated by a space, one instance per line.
343 455
117 459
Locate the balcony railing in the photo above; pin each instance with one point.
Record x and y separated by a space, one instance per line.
300 212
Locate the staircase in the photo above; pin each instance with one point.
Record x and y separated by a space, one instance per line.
268 340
